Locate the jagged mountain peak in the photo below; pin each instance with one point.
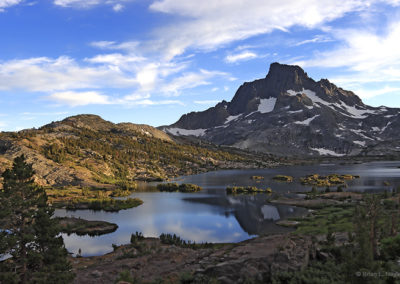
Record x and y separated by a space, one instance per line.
289 74
288 112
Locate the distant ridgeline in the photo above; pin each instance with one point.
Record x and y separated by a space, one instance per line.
288 113
86 150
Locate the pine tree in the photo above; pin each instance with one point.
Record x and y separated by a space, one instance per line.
28 234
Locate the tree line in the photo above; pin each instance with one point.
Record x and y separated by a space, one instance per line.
31 249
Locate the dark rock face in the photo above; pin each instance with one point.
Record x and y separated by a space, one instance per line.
288 113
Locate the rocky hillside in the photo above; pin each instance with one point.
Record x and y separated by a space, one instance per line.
288 113
86 150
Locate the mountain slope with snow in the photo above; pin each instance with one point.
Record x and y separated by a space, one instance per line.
288 113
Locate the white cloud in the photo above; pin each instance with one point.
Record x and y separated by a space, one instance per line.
128 46
79 98
207 26
190 80
143 99
67 80
75 99
85 4
316 39
8 3
43 74
362 50
370 93
136 97
77 3
117 59
366 55
242 56
118 7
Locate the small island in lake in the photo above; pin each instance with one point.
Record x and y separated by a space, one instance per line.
174 187
257 177
72 225
75 198
246 190
329 180
283 178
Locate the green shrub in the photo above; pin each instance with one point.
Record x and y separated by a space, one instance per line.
283 178
173 187
246 190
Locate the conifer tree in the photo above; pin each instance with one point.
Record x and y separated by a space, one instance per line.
28 234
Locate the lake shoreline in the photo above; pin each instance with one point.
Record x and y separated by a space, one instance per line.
262 258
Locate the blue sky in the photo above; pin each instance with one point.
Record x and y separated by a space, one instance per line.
150 61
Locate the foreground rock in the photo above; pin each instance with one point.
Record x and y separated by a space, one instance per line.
149 260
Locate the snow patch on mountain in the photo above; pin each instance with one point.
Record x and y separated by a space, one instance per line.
357 113
232 117
251 113
353 111
307 121
295 111
383 129
310 94
360 133
186 132
266 105
361 143
326 152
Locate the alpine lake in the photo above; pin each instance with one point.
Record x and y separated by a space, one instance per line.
213 216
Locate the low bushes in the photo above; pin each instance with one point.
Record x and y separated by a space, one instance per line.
246 190
174 187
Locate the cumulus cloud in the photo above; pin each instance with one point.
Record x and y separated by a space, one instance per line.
116 59
366 56
190 80
209 26
43 74
8 3
68 79
370 93
362 50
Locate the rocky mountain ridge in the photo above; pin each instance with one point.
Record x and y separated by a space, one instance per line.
87 151
288 113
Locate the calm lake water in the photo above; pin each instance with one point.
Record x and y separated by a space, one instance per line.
213 216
